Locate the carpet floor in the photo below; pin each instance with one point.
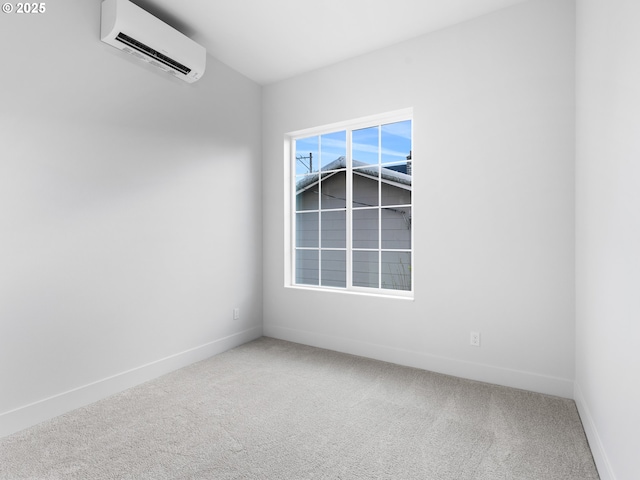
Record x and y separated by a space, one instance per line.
272 409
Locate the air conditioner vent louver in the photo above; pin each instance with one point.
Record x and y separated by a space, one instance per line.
141 47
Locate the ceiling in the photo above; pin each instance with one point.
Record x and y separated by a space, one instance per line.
270 40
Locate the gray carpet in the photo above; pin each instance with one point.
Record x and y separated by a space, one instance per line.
278 410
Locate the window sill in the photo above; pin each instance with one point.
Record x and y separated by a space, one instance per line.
378 293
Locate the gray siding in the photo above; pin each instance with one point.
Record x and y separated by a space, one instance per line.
321 224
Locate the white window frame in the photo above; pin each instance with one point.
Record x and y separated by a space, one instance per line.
290 204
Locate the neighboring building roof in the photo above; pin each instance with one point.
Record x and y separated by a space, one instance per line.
393 176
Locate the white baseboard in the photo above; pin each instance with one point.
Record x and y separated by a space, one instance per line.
534 382
47 408
597 449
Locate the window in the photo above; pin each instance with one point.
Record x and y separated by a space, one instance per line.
351 206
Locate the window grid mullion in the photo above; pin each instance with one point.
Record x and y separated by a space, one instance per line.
349 207
379 206
319 210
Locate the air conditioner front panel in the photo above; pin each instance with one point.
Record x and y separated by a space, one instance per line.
129 28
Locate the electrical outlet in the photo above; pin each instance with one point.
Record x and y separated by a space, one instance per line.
236 313
474 340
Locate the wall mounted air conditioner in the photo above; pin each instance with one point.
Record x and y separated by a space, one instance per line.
135 31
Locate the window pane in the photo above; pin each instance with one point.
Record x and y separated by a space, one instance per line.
334 190
307 158
365 228
376 201
365 269
307 229
333 148
396 143
334 268
365 187
334 229
396 228
365 146
307 267
307 192
396 270
396 190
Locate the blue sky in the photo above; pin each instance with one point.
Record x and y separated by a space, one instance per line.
395 146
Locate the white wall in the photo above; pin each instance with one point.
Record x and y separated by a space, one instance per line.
130 224
608 232
493 103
